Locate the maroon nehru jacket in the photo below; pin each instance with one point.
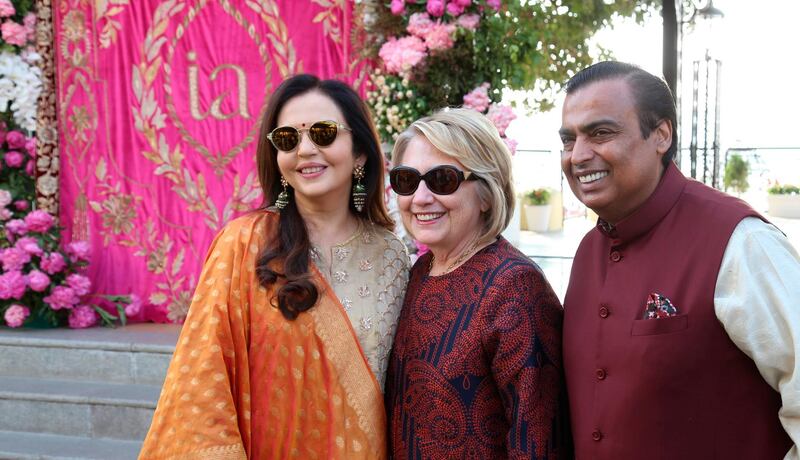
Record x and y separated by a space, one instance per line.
674 387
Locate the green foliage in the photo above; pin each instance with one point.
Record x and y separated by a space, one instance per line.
737 169
532 44
526 45
537 196
779 189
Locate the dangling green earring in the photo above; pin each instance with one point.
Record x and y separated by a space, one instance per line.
283 197
359 190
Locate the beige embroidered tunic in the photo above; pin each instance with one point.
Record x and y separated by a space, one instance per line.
369 273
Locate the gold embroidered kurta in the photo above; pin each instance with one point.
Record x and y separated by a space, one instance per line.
369 273
247 383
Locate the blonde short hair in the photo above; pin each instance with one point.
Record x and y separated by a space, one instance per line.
471 138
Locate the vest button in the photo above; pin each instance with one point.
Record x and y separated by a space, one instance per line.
597 435
616 256
604 312
600 374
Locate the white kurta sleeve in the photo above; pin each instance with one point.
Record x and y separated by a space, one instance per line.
757 300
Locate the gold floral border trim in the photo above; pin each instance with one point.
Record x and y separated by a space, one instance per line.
333 327
232 452
47 155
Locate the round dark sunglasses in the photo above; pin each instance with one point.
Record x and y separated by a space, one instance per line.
321 133
441 180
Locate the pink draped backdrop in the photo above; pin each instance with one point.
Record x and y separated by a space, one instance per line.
159 104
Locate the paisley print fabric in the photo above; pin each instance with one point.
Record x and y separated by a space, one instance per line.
475 372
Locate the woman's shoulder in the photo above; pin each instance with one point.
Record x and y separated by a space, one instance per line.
509 261
247 232
513 274
258 221
381 235
391 244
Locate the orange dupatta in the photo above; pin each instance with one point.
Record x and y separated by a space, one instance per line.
247 383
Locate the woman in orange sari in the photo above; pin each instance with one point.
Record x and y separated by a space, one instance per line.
284 351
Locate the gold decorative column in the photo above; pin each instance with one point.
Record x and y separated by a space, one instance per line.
47 165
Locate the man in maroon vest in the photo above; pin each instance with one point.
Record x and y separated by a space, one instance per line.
682 315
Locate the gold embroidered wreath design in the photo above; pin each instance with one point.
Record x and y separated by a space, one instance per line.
149 118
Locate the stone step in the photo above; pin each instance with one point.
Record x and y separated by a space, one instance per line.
138 353
77 408
30 446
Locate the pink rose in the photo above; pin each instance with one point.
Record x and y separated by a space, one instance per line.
13 285
418 24
79 251
29 168
435 8
469 21
53 263
30 245
422 248
14 259
454 9
39 221
30 146
82 316
16 227
15 140
5 198
16 315
21 205
14 159
440 36
501 116
478 98
62 297
133 308
38 281
511 144
494 4
464 3
398 7
5 214
403 54
79 283
29 22
7 9
14 33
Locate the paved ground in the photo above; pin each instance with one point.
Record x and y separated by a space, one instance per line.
554 251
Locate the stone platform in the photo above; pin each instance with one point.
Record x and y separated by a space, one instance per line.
80 394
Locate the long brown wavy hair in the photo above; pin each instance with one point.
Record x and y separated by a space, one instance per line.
291 249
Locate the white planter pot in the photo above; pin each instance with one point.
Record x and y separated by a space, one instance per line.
537 217
784 206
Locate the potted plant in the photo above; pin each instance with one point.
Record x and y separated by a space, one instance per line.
784 201
737 169
537 209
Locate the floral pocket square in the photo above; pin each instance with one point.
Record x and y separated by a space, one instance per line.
658 307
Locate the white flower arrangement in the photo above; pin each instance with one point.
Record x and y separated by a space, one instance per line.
20 86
